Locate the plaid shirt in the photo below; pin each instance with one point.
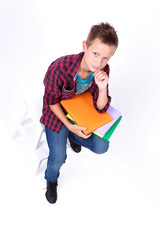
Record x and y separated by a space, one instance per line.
60 83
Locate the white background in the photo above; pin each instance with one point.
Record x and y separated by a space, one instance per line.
120 196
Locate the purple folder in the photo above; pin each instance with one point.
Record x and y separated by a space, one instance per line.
115 114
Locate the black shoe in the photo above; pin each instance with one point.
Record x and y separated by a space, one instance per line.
75 147
51 193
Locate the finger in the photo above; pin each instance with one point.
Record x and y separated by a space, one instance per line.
82 128
88 135
85 136
100 76
97 73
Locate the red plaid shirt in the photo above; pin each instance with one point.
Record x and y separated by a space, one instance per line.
60 83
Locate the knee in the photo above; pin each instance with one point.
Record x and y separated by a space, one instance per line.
57 159
54 165
101 148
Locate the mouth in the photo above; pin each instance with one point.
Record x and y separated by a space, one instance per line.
96 68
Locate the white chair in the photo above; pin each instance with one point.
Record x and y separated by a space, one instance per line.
30 128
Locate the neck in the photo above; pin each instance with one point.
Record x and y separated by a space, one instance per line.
83 69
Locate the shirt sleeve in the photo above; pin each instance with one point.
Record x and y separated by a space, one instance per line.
52 87
95 93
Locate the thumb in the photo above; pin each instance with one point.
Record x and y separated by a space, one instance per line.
82 128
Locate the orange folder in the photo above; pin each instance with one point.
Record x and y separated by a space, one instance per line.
82 110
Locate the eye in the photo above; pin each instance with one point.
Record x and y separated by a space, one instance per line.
106 59
96 54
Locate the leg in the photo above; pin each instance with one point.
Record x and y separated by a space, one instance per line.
94 143
57 152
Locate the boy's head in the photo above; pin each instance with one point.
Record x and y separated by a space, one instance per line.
100 46
104 32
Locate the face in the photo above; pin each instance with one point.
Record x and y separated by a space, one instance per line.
97 54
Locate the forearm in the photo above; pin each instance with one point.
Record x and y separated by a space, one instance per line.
56 108
102 99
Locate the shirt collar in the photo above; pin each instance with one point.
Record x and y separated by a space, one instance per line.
76 62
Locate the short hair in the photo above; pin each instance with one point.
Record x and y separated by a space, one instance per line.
105 32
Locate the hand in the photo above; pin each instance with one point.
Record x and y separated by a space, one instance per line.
78 131
101 79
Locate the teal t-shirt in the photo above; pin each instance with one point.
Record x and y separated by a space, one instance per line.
83 84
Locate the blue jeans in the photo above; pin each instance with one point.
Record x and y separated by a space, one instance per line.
57 149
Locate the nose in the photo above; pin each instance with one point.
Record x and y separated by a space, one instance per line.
99 62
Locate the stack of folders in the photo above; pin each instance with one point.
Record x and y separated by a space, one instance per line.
82 112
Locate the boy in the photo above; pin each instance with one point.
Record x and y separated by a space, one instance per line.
67 76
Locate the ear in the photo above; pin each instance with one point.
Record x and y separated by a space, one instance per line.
84 46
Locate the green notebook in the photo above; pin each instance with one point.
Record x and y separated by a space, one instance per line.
111 130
